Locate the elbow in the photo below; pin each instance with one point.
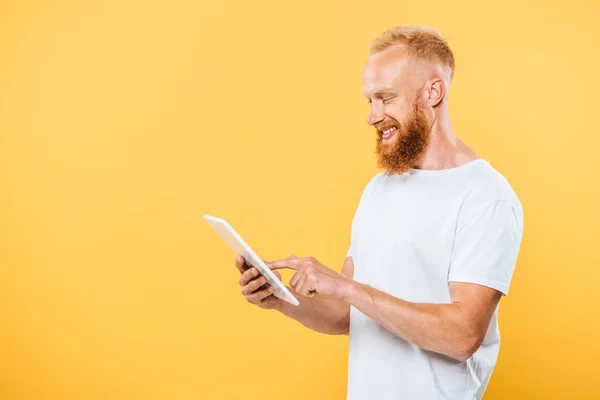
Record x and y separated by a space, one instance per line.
336 330
343 325
463 355
467 346
335 325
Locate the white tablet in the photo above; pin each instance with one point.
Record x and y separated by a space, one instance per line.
235 241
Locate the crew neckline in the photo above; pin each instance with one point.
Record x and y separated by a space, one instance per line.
446 171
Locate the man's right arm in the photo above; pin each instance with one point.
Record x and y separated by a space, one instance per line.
328 316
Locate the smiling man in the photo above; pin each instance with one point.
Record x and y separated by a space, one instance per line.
434 242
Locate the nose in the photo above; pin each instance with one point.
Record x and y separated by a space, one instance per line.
375 115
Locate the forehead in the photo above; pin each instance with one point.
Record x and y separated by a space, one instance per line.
388 69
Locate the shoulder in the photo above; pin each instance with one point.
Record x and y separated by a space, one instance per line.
376 181
490 196
371 183
486 184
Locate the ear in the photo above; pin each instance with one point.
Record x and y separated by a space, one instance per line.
437 90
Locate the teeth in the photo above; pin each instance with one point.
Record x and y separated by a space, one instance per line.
388 131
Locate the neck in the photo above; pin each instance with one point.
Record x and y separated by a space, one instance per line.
445 149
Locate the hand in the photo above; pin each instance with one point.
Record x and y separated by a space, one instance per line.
314 278
255 287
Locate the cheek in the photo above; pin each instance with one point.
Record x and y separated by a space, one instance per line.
396 111
394 115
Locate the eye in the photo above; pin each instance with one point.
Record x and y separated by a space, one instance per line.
387 100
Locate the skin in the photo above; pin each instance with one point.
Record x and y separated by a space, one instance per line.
394 84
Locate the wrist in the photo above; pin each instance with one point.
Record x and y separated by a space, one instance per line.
278 305
349 290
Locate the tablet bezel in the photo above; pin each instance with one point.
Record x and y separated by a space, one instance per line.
281 291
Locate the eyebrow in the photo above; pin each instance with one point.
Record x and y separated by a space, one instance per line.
384 91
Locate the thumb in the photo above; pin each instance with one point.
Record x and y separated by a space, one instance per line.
292 257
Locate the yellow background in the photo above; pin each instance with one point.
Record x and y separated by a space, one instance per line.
123 122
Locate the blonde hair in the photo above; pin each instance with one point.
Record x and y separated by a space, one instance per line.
421 42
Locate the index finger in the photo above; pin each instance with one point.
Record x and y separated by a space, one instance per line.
291 264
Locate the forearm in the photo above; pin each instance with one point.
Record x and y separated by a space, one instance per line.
325 315
441 328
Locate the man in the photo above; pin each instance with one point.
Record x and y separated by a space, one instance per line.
433 245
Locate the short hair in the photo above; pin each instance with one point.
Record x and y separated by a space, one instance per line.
421 42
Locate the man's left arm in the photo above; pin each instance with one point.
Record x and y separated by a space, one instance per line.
485 250
456 329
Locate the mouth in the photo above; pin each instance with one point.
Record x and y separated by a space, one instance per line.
388 133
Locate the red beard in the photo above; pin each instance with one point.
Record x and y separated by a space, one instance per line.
408 144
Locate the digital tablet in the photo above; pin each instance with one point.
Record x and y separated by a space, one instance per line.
237 244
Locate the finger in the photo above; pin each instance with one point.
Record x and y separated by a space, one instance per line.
299 288
292 257
256 297
309 286
253 285
296 278
241 263
267 284
247 276
291 264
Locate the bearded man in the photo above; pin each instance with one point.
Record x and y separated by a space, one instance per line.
434 242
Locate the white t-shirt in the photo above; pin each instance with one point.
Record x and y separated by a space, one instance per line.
412 234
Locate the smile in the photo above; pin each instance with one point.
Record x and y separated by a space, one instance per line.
389 133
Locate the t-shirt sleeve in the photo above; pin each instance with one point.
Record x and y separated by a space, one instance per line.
367 191
349 252
487 244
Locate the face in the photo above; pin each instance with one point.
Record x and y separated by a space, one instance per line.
394 87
